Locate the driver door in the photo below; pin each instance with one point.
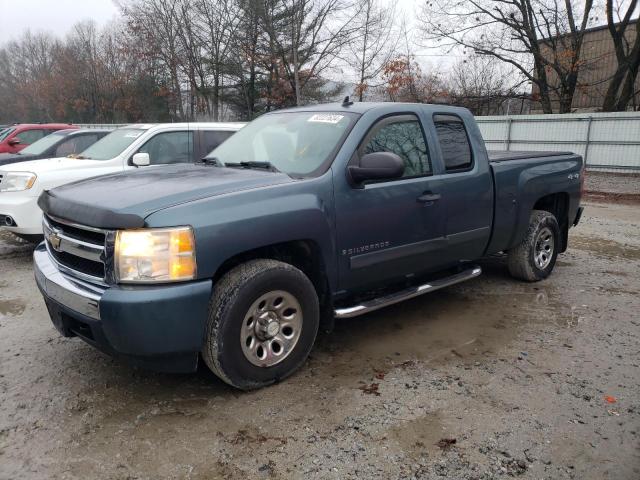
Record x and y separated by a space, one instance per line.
393 228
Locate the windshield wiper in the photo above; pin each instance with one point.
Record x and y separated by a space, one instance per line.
211 161
253 164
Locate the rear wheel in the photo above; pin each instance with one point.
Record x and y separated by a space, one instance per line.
535 257
263 321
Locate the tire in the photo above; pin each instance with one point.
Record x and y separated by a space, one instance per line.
235 315
532 261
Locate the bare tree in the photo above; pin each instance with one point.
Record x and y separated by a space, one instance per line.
621 89
157 24
373 44
218 22
306 36
483 85
542 39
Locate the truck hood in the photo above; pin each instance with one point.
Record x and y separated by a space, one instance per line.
124 200
48 164
8 158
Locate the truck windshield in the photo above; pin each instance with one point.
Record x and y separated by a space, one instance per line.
112 145
39 147
296 143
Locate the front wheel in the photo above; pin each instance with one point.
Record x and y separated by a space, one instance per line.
535 257
263 321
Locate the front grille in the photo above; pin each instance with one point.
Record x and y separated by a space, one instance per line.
79 264
90 236
77 250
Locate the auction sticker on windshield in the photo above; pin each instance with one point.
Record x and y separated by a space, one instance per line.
325 118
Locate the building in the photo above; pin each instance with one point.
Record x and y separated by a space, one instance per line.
597 66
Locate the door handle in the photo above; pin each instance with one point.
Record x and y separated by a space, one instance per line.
428 198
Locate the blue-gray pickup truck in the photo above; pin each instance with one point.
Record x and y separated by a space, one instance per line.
303 216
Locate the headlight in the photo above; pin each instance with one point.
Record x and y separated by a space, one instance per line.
17 181
155 255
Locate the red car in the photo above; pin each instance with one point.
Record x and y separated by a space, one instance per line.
16 137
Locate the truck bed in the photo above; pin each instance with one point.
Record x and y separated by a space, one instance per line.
507 155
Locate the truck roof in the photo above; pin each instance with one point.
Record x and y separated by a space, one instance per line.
364 107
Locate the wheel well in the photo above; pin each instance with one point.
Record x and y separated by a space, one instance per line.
558 205
305 255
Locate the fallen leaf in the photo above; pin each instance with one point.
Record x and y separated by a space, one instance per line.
610 399
370 389
446 443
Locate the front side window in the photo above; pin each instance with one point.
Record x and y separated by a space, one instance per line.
81 142
454 143
112 145
75 144
402 136
296 143
29 136
169 147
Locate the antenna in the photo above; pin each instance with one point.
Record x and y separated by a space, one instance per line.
346 102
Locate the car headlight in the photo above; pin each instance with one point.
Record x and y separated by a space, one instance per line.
17 181
155 255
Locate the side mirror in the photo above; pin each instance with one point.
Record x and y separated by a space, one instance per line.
141 160
14 141
376 166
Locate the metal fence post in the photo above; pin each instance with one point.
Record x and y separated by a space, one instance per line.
587 139
507 139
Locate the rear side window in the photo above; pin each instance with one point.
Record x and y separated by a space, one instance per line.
454 142
403 136
211 139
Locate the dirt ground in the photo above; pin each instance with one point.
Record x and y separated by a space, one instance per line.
621 183
492 378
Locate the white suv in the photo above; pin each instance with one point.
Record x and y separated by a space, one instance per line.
126 148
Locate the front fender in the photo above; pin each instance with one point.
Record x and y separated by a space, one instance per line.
230 224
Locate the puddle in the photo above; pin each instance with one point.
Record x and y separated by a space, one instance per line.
11 307
603 247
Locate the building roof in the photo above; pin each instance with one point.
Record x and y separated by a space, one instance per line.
597 28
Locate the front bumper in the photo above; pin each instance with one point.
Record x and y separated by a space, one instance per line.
24 210
159 327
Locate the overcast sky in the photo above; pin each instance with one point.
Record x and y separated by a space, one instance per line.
58 16
55 16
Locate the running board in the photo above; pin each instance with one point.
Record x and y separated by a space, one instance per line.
381 302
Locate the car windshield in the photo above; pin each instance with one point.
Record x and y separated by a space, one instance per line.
112 145
5 133
296 143
42 145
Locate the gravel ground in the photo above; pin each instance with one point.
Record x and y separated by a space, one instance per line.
492 378
627 184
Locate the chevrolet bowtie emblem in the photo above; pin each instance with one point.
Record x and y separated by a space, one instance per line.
54 241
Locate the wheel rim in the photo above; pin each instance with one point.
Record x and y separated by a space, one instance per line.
271 328
544 246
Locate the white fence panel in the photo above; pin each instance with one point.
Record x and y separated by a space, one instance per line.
607 141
